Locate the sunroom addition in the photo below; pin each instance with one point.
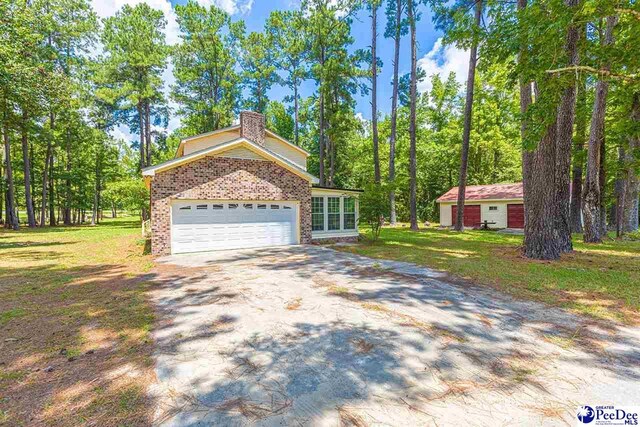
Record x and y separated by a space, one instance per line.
334 213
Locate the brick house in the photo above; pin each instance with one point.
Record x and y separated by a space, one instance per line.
241 187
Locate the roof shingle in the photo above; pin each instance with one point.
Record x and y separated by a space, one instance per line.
485 192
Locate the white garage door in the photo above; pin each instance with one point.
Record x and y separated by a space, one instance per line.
207 225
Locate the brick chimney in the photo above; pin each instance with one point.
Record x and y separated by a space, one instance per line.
252 126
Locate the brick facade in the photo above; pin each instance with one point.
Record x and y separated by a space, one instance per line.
220 178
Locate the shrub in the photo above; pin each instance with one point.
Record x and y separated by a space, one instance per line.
374 207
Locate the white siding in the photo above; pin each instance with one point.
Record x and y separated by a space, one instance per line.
294 156
241 153
272 144
210 141
498 216
445 215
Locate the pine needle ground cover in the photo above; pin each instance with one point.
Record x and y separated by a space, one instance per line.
75 347
602 281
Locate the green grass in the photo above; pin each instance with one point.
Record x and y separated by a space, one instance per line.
75 298
6 316
602 280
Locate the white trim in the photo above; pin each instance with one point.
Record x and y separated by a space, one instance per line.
342 232
473 202
237 127
203 135
336 191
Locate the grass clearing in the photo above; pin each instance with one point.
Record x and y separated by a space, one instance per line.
74 325
602 281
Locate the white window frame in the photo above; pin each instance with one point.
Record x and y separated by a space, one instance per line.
342 232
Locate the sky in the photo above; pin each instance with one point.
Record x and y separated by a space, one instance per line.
433 57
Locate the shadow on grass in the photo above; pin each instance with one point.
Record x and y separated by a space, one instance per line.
595 279
74 341
30 244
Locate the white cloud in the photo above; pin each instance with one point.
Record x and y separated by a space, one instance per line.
232 7
443 60
122 132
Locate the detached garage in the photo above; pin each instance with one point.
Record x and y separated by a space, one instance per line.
500 205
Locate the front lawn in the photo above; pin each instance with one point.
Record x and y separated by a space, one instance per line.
74 326
602 281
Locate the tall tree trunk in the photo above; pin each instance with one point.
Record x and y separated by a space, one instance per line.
321 142
52 207
468 116
97 187
632 185
31 219
10 200
45 172
2 192
296 120
34 190
413 214
66 216
565 119
578 159
592 188
147 114
394 112
374 91
621 191
602 178
321 130
141 125
546 169
331 152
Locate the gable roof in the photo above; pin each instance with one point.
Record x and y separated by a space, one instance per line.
485 192
221 148
233 128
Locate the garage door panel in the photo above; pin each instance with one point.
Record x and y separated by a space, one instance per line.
515 216
232 225
472 215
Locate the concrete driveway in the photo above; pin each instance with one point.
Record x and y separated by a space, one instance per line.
305 335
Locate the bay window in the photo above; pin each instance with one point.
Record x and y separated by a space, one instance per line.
333 215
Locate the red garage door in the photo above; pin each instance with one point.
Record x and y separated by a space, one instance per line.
471 215
515 216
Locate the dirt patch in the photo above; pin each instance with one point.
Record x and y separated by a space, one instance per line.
321 281
342 292
250 409
294 304
362 346
350 418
